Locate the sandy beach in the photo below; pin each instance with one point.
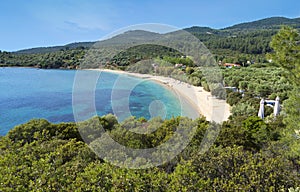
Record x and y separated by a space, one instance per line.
213 109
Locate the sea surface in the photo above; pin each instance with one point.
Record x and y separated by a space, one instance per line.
27 93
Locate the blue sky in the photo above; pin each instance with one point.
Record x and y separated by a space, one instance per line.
34 23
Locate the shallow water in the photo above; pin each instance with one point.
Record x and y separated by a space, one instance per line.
28 93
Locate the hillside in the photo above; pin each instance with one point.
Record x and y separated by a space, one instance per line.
268 23
55 48
127 36
236 44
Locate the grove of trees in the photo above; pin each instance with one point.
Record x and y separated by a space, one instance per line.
247 156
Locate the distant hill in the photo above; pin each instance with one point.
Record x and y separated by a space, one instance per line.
272 23
268 23
239 43
131 36
201 29
55 48
204 33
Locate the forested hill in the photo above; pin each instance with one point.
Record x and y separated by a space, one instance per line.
248 41
268 23
56 48
239 43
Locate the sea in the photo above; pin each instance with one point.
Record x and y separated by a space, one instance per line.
31 93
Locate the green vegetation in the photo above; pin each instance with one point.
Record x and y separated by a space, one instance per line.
253 84
238 47
249 154
243 43
59 59
287 54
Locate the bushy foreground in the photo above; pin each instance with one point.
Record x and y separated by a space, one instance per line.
247 156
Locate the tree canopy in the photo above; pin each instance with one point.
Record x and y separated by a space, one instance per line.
40 156
286 45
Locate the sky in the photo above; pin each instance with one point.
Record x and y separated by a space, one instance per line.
42 23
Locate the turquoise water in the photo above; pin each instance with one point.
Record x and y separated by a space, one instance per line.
35 93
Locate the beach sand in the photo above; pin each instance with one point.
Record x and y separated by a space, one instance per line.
213 109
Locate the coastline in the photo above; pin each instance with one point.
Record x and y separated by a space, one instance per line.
213 109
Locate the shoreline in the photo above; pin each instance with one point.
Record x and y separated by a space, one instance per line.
203 102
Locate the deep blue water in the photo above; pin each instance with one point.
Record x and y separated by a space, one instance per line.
27 93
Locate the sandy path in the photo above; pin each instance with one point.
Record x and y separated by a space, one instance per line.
213 109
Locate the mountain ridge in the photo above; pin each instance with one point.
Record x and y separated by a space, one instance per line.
266 23
271 23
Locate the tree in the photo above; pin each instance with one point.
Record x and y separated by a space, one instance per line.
243 109
286 45
257 129
243 85
189 70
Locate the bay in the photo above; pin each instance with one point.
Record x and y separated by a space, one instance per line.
27 93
